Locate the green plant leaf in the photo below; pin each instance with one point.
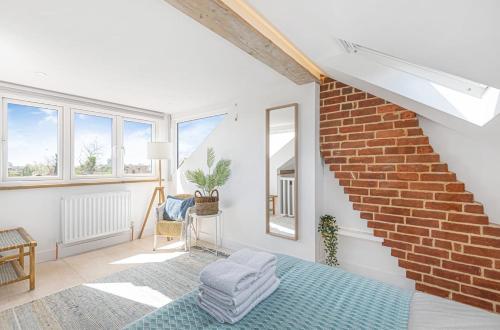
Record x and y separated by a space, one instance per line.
198 178
222 172
210 157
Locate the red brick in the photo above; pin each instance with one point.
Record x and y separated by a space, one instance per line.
389 218
443 206
400 150
381 225
353 144
495 285
455 187
371 102
463 268
390 133
393 184
431 252
356 96
372 176
361 136
492 231
482 252
356 191
404 176
389 159
472 301
351 129
413 168
413 275
460 227
468 218
447 197
443 244
450 236
415 266
486 241
432 290
395 210
370 151
363 112
481 293
404 238
426 260
413 230
381 168
474 208
381 142
379 126
376 200
441 282
429 214
416 194
366 215
422 222
471 260
407 203
406 141
427 186
455 276
397 245
384 192
406 123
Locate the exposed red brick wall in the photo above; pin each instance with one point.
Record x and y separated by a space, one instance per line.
397 182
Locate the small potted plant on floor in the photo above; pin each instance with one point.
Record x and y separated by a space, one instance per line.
207 197
329 230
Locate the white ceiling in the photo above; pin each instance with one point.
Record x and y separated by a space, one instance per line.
461 37
140 53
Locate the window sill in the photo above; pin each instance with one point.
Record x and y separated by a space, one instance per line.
33 185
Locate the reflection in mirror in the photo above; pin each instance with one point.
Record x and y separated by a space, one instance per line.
281 171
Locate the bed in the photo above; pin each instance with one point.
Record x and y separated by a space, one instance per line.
311 296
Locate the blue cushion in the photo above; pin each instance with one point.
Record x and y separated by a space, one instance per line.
176 208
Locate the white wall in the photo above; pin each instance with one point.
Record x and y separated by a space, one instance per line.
243 198
474 155
38 211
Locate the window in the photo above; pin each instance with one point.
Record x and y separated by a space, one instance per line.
136 136
190 134
93 145
32 134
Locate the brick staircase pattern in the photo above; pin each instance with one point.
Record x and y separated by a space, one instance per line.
410 198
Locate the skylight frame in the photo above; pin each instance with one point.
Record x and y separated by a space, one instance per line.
451 81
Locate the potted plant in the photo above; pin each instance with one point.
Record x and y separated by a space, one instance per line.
207 197
329 230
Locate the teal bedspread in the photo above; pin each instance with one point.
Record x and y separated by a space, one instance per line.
311 296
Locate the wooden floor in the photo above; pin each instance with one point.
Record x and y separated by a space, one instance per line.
54 276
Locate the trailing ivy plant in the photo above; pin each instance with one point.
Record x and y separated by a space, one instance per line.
214 178
329 230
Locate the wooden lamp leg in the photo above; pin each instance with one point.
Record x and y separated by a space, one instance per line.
148 212
32 267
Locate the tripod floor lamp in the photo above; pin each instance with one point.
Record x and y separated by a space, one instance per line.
156 151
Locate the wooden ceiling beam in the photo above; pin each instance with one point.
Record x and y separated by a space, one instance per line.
238 23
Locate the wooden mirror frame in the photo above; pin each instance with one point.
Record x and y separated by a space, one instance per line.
295 107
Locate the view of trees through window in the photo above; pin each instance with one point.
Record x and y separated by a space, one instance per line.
136 136
32 134
190 134
93 141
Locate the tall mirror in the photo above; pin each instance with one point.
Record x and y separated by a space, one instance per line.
281 171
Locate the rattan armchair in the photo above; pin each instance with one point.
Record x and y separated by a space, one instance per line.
169 228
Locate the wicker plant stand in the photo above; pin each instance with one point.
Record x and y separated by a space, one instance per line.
12 266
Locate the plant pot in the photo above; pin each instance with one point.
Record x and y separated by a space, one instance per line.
206 205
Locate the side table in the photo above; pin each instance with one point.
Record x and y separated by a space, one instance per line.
12 266
195 226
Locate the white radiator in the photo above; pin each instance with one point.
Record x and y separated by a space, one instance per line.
286 196
87 217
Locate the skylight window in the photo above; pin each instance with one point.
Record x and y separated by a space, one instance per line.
442 78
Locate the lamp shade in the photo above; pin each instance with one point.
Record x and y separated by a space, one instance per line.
158 150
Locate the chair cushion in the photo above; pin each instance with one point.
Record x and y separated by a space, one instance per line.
176 208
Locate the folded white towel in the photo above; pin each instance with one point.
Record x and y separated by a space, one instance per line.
234 315
229 301
228 277
260 261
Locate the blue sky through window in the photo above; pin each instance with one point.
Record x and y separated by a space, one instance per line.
136 136
190 134
93 144
32 140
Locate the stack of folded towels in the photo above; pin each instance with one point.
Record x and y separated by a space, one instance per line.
232 287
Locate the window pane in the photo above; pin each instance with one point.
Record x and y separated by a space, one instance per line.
190 134
93 145
32 141
135 140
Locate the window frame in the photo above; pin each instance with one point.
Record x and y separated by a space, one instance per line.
5 137
122 147
114 146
